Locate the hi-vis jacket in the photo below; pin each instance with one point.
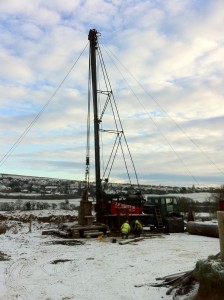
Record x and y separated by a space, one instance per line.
138 225
125 228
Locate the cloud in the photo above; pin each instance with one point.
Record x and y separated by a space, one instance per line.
165 63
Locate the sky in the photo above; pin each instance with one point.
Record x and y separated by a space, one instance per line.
165 61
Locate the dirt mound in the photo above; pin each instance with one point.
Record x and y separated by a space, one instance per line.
2 229
45 219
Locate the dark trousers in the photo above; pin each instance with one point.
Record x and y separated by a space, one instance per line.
124 235
137 232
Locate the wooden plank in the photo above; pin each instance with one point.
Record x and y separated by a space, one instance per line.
92 227
90 234
48 232
62 233
90 220
55 232
95 232
69 225
74 233
128 241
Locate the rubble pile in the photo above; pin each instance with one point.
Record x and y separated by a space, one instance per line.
210 275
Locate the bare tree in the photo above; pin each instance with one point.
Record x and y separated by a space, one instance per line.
217 196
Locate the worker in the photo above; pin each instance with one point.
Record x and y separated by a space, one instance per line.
137 228
125 229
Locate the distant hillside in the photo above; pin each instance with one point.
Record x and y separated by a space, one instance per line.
3 175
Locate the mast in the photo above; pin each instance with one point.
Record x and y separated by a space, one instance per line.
93 47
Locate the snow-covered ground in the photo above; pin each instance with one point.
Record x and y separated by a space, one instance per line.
97 269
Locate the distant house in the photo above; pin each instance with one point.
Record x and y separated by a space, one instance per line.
74 191
43 182
51 189
74 185
36 187
5 189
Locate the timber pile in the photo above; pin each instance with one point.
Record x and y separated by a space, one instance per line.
73 230
179 281
206 273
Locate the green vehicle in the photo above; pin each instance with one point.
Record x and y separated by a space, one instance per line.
163 213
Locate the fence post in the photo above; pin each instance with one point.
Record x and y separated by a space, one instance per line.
30 224
220 215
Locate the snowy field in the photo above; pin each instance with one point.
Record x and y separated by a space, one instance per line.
98 269
200 197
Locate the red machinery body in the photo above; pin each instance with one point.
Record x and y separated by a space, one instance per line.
124 208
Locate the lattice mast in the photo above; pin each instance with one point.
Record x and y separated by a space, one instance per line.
93 36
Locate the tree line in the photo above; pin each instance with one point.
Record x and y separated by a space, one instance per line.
210 205
24 205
